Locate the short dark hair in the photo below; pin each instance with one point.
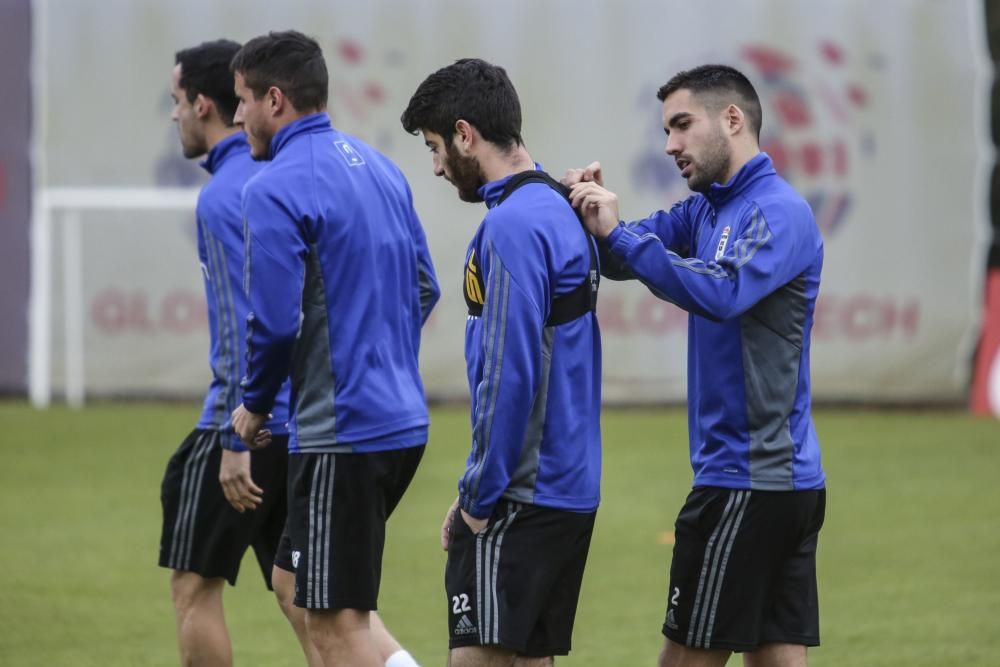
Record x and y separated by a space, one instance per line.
723 82
472 90
289 61
205 71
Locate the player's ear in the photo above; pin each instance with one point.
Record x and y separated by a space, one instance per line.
276 100
734 118
464 138
202 106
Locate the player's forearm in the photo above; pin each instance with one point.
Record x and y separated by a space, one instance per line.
612 267
268 361
503 411
259 394
274 286
487 478
705 289
480 504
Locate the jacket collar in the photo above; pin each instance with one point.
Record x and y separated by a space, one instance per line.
223 150
757 167
492 191
315 122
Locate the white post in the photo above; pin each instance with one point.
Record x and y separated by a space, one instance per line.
40 308
40 299
73 306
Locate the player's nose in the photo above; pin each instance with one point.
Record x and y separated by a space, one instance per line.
673 146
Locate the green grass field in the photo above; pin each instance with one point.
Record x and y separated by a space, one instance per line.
909 558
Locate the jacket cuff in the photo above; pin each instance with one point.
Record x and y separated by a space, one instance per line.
232 442
474 510
620 241
257 404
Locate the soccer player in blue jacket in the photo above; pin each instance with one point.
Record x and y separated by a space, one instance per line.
340 282
203 537
743 257
518 535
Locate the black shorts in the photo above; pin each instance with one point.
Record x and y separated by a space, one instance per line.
201 532
283 558
743 572
337 508
516 583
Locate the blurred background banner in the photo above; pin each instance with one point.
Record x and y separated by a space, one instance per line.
877 112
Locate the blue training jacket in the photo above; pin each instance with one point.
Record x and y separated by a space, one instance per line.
536 389
220 249
340 281
744 260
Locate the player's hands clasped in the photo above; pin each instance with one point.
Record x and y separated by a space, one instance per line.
248 426
237 485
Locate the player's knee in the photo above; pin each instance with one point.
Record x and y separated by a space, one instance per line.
287 604
284 590
464 657
673 654
480 656
776 654
661 661
341 627
190 590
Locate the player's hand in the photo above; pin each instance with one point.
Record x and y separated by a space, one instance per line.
247 425
598 208
590 173
446 526
474 524
262 439
237 486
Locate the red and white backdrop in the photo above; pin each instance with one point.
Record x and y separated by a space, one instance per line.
876 112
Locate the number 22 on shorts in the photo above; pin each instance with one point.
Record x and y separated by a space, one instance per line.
460 603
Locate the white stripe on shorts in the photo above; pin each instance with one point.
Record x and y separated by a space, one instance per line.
713 570
488 543
320 536
181 543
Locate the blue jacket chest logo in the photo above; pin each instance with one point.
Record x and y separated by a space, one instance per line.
474 287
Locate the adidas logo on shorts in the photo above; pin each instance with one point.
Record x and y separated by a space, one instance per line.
465 626
672 621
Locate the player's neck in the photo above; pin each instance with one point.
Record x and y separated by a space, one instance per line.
740 156
291 114
499 164
217 132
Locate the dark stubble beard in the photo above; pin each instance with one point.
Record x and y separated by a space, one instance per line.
465 175
262 141
192 145
192 150
713 166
